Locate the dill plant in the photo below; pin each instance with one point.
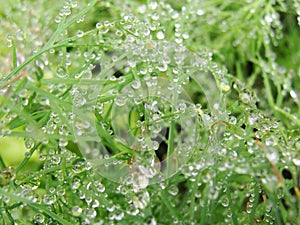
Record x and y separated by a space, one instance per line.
145 112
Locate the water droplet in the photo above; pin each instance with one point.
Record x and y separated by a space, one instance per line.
225 202
153 5
79 167
141 200
120 100
95 203
162 67
272 155
132 210
76 184
296 161
30 185
76 211
29 143
102 28
245 97
9 41
185 35
118 215
136 84
57 19
131 63
74 4
55 159
269 18
224 87
142 9
9 37
155 145
139 181
155 16
62 142
39 218
160 35
200 12
79 33
90 212
99 186
49 199
61 72
20 35
294 94
173 190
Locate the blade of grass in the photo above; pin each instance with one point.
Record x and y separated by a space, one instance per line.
38 207
14 54
26 159
2 163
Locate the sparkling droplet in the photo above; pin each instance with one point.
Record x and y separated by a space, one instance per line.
39 218
294 94
136 84
95 204
76 211
132 210
79 33
224 87
29 143
79 167
200 12
57 19
160 35
141 200
49 199
61 72
62 142
99 186
225 202
118 215
155 145
120 100
153 5
162 67
185 35
90 212
173 190
296 161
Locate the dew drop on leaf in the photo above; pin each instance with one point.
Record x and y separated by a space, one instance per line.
76 210
160 35
61 72
79 33
39 218
136 84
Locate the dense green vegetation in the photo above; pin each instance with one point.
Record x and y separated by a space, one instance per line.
145 112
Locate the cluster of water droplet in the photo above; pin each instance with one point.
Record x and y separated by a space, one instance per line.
66 10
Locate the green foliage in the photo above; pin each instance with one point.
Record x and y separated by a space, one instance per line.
144 112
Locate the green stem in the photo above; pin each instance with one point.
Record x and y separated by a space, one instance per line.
193 198
287 115
14 54
64 26
255 203
268 90
37 207
205 207
2 163
170 147
11 219
26 159
50 44
168 205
